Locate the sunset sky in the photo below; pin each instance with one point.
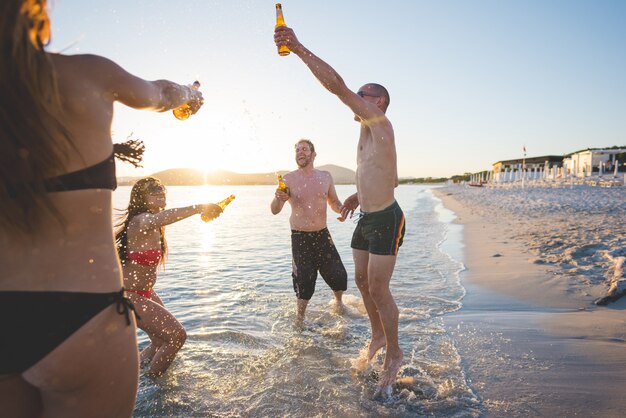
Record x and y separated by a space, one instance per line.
471 82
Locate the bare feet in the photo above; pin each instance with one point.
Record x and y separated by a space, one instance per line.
390 369
299 323
383 393
375 345
338 307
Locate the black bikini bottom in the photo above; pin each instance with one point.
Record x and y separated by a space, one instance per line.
35 323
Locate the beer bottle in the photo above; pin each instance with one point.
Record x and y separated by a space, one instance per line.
222 204
280 21
281 184
184 111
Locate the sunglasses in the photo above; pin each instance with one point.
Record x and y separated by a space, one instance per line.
362 94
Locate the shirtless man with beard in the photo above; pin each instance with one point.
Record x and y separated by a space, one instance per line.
308 192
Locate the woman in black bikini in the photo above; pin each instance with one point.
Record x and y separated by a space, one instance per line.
68 337
141 245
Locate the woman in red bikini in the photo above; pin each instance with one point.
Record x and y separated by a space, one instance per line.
140 239
68 346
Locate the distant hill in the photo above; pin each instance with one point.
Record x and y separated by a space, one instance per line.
194 177
341 175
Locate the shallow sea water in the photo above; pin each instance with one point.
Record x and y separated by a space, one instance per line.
229 283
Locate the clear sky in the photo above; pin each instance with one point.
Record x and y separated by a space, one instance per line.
471 82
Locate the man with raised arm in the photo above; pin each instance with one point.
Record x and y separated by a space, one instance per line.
380 230
309 192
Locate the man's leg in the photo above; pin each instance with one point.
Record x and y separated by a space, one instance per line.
333 272
361 260
379 271
338 307
301 305
303 273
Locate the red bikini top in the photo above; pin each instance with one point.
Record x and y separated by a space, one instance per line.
146 257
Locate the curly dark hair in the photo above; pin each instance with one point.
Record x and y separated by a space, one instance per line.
137 205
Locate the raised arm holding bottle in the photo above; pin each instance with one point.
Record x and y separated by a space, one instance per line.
380 230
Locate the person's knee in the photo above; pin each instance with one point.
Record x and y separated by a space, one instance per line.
181 337
341 287
304 290
338 283
380 294
361 282
177 337
305 294
343 281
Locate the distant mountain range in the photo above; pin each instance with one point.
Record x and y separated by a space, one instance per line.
195 177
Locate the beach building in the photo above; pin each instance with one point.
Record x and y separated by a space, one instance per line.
587 162
528 168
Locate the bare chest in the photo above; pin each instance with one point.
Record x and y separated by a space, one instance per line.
306 191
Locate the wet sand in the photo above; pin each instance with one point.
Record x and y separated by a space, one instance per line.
533 342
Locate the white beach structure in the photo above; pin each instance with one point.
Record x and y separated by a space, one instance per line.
591 167
582 163
521 169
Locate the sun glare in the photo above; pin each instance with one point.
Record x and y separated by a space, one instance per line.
207 239
247 155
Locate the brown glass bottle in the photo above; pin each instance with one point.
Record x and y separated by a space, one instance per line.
222 204
183 112
280 21
281 184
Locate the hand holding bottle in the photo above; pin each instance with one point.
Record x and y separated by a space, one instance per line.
281 195
210 211
282 191
193 105
285 36
281 183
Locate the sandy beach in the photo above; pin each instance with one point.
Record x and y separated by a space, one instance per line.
532 340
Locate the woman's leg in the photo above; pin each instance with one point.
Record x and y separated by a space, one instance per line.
147 354
93 373
160 325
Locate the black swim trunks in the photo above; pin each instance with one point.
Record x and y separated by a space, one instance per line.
313 252
380 232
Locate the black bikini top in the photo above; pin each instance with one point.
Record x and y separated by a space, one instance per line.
98 176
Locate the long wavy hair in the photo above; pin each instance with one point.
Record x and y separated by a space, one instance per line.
140 191
34 144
